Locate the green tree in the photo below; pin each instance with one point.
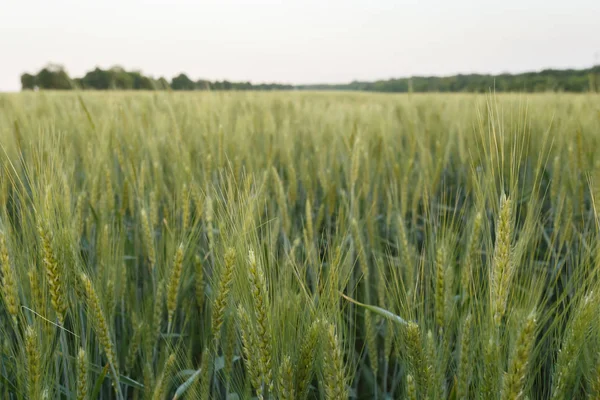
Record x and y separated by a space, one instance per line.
162 84
98 79
202 84
182 82
27 82
53 76
121 79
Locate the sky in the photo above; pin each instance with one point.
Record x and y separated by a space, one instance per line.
297 41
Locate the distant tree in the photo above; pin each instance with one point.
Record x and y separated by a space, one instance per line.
145 83
141 82
98 79
77 83
45 79
27 82
53 76
202 84
242 86
120 79
592 82
123 81
162 84
182 82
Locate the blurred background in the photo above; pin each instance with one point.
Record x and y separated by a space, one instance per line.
299 42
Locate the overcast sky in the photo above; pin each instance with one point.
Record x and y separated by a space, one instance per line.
297 41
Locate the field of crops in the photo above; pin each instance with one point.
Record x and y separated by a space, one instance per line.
299 246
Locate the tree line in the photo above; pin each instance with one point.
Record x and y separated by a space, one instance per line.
570 80
54 77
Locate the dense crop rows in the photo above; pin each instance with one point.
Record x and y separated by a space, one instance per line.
299 246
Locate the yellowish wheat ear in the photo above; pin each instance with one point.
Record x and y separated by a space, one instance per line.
263 330
250 348
82 371
411 388
502 268
220 302
440 289
467 281
306 359
281 201
335 373
163 381
173 287
9 289
148 238
208 216
572 344
157 315
101 326
34 372
55 276
134 347
205 378
186 209
465 367
491 370
199 281
514 381
371 337
230 345
416 356
286 380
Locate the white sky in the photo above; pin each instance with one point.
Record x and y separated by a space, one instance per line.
297 41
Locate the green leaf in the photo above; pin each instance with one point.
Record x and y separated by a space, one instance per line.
8 383
186 385
193 375
122 378
378 310
87 113
99 381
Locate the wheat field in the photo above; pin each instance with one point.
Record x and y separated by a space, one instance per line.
299 245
